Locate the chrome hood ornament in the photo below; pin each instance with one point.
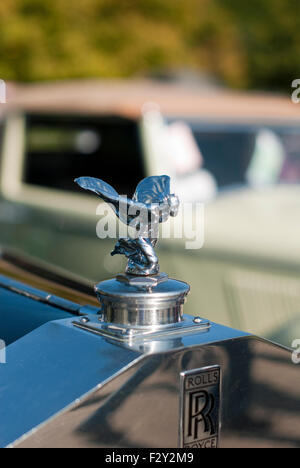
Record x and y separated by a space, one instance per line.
151 204
142 297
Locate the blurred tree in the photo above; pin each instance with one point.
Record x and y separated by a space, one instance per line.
268 32
247 44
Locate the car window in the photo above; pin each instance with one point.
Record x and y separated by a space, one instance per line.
226 155
60 148
270 153
291 166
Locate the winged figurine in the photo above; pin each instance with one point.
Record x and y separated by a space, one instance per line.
151 204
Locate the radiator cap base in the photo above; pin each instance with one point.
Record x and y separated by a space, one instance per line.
142 301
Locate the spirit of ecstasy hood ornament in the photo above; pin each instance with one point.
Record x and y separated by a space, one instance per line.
142 297
151 204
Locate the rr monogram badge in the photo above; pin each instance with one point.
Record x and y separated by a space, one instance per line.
200 408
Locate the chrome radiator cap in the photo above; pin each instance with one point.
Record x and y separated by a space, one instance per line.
142 301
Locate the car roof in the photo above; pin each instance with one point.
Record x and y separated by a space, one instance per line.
127 98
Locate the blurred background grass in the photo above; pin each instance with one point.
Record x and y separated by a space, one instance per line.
250 45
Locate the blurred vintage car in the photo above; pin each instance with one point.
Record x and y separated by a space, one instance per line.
245 167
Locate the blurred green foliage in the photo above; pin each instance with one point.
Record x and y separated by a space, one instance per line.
246 44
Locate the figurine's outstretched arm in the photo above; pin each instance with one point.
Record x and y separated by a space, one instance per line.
98 186
125 208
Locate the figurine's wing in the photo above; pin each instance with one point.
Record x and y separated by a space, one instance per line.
152 189
98 186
